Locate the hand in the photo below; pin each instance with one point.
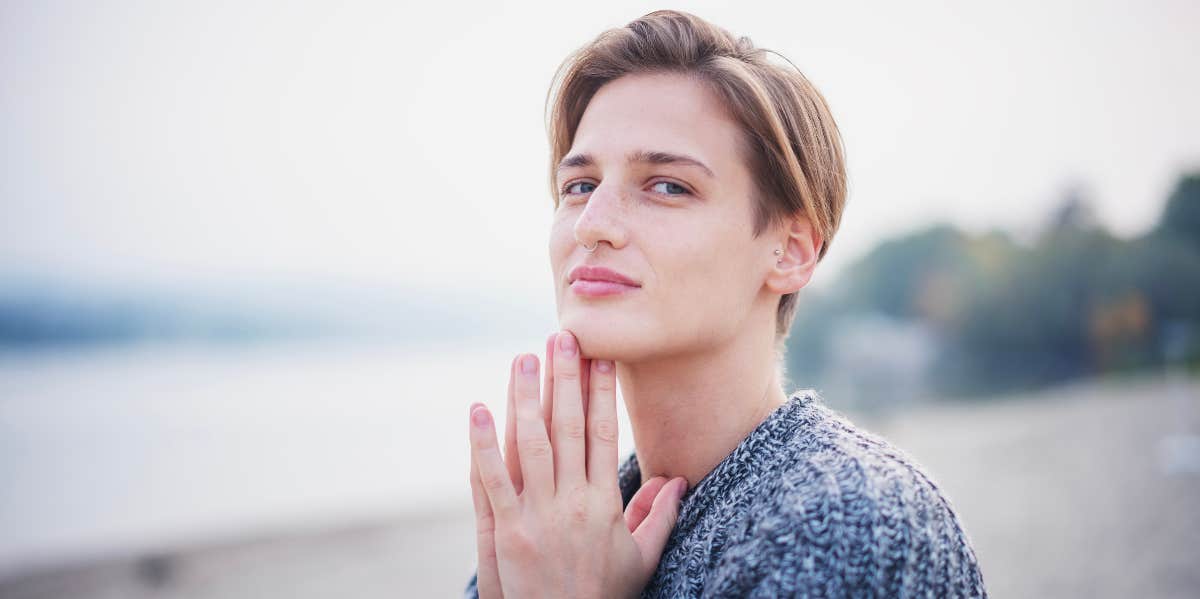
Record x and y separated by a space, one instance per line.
487 576
550 522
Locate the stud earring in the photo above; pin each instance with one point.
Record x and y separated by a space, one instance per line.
778 252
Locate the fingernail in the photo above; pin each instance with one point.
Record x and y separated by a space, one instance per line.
603 366
528 364
566 343
480 416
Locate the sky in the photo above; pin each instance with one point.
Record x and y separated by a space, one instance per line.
403 145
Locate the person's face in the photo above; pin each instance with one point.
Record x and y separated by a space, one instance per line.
682 232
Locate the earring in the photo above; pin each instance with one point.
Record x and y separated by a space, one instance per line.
778 252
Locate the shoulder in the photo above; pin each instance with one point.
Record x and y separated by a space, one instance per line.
845 510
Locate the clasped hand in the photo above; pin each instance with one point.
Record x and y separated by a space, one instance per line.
548 512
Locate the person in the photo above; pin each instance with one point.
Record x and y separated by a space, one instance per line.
697 183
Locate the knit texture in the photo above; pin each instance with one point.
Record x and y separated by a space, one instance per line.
808 505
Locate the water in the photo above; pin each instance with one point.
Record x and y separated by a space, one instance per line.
125 450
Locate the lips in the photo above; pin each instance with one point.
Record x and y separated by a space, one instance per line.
600 274
597 282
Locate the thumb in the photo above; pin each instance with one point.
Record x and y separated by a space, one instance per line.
651 535
643 500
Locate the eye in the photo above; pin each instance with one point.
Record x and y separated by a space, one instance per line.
577 184
670 188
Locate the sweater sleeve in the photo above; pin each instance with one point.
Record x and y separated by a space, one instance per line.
472 590
846 529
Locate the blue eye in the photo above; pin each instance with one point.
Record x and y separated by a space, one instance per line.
573 185
672 188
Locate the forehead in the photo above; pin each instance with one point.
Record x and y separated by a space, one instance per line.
667 112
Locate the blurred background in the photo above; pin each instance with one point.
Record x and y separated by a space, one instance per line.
250 251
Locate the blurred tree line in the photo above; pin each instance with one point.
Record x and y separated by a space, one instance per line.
1008 316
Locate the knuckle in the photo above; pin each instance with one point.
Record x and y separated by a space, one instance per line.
603 383
616 512
605 431
519 542
493 482
485 524
567 374
578 506
538 448
489 480
574 431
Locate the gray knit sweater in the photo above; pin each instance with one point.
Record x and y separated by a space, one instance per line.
808 505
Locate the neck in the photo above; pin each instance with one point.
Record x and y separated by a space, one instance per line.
689 412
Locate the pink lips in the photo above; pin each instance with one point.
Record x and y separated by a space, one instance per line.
597 281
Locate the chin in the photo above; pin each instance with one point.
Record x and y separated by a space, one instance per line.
617 337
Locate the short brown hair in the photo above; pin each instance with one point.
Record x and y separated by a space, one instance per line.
794 146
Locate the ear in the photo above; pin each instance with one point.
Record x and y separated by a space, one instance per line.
801 245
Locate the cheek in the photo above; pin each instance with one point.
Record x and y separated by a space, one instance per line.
562 239
686 273
696 252
713 263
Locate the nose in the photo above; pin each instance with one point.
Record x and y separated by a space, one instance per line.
603 218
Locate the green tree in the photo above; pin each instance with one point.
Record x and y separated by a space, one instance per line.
1181 216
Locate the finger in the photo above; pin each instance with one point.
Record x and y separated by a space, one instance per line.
511 454
602 426
585 367
492 473
488 573
570 429
651 535
537 455
640 505
548 382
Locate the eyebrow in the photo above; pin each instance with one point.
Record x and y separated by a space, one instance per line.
643 156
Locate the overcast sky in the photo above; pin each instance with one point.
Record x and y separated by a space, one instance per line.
395 143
